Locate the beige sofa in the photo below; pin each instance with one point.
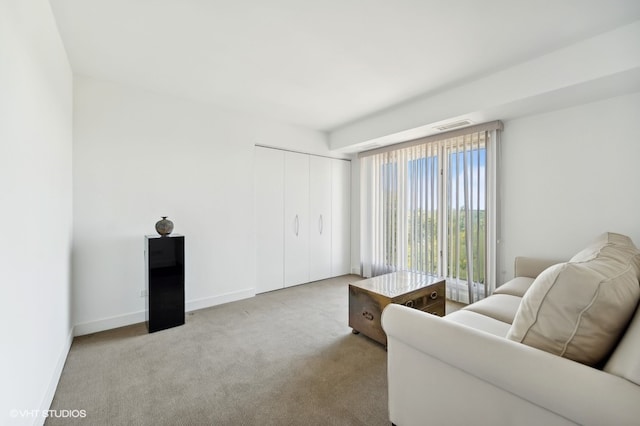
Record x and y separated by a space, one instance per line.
469 367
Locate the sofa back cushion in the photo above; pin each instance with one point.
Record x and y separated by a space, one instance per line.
515 287
580 308
625 360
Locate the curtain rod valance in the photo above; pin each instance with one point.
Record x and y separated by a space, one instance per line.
484 127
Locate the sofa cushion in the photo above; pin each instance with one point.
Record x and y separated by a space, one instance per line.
502 307
479 322
625 360
616 247
531 267
579 309
516 287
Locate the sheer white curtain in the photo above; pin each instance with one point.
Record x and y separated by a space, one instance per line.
430 206
399 191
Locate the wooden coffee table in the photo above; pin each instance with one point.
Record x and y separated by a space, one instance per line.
367 299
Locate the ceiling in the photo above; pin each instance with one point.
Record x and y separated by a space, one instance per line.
318 64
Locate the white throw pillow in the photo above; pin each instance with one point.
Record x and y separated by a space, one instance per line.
613 246
579 309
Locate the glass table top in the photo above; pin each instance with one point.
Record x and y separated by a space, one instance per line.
397 283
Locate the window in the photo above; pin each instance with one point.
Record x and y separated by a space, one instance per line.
429 206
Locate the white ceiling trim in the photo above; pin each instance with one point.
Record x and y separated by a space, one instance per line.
524 88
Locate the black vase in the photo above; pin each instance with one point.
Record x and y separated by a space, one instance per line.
164 226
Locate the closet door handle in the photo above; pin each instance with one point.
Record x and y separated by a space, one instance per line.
297 225
321 224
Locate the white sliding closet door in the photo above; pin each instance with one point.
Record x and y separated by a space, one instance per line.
269 207
341 214
319 218
296 219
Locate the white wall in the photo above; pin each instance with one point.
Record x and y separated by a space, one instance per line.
569 175
36 215
139 155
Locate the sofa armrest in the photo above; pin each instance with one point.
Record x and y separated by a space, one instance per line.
532 267
566 388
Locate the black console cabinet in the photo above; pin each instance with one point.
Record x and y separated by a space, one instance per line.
164 257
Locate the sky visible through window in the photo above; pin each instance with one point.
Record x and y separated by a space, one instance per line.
422 171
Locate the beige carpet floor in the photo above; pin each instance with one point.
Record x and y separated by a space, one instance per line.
285 357
281 358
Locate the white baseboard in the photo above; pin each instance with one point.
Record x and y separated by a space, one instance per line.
355 270
137 317
207 302
109 323
55 379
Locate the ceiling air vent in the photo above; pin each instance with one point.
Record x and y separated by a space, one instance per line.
454 125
